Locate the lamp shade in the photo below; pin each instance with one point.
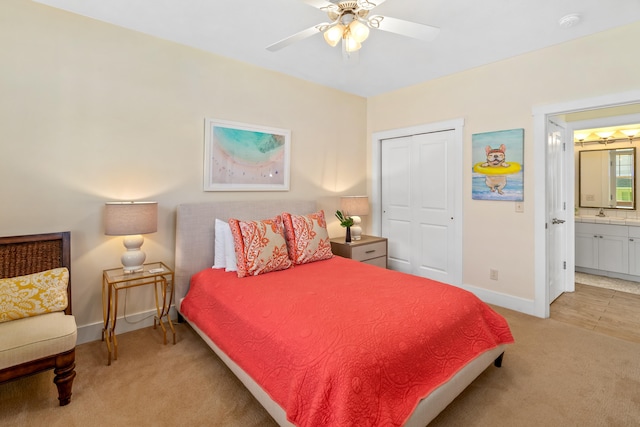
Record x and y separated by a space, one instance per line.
130 218
355 205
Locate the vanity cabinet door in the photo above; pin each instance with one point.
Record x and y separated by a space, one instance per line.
603 247
634 251
586 249
613 253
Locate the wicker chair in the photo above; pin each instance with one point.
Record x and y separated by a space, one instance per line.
31 345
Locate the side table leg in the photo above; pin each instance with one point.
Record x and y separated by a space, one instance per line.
173 330
106 316
160 309
114 317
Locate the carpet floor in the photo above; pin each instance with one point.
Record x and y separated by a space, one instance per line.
555 374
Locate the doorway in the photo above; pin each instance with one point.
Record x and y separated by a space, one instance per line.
601 107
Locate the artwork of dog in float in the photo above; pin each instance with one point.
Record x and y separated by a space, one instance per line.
498 168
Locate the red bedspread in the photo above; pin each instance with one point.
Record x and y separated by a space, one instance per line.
338 342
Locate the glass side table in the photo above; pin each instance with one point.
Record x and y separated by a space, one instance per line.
114 280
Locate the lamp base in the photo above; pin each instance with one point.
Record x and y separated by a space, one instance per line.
133 259
356 230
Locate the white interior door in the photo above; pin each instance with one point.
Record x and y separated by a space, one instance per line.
396 171
556 211
418 203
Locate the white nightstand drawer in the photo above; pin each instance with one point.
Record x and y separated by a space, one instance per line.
369 249
372 250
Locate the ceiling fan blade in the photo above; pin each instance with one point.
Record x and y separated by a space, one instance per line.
406 28
295 38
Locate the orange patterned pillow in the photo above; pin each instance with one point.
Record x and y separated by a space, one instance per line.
307 237
260 246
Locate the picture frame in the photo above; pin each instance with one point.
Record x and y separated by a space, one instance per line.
498 165
245 157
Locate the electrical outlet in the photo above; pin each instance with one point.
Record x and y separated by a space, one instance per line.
493 274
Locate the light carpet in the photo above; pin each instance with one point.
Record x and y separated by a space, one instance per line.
554 375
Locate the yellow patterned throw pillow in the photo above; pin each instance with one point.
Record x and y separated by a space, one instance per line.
37 293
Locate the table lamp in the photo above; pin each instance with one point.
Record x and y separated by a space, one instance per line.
132 220
354 206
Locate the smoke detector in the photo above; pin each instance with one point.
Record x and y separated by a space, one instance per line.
569 21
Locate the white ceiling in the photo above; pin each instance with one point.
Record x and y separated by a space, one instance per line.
473 33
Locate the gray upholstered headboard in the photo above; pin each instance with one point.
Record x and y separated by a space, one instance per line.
195 231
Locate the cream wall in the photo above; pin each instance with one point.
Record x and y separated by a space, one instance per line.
501 96
90 112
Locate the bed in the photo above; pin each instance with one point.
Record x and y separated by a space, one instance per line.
255 324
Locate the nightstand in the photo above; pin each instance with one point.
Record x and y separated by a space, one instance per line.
369 249
114 280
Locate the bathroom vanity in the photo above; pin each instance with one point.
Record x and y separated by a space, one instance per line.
608 247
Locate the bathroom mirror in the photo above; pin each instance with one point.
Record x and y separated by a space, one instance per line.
607 178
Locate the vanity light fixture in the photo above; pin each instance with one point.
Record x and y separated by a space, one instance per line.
605 135
630 134
580 137
609 135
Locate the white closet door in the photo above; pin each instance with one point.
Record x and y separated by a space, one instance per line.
418 204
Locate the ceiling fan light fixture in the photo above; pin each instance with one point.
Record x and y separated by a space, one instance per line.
359 31
334 34
350 44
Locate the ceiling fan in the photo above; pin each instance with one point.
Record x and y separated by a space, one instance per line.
350 23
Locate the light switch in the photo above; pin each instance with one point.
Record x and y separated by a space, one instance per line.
520 207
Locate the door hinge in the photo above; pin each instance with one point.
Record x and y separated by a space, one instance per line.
564 206
564 265
564 146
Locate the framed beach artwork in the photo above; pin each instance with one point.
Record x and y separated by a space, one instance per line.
498 165
244 157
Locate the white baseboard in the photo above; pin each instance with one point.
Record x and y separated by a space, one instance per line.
93 331
522 305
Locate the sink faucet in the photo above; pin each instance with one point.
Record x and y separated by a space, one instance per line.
601 213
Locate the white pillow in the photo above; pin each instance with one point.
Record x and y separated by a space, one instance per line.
224 251
219 247
229 249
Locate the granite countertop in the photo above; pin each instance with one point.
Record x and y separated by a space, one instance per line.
608 220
